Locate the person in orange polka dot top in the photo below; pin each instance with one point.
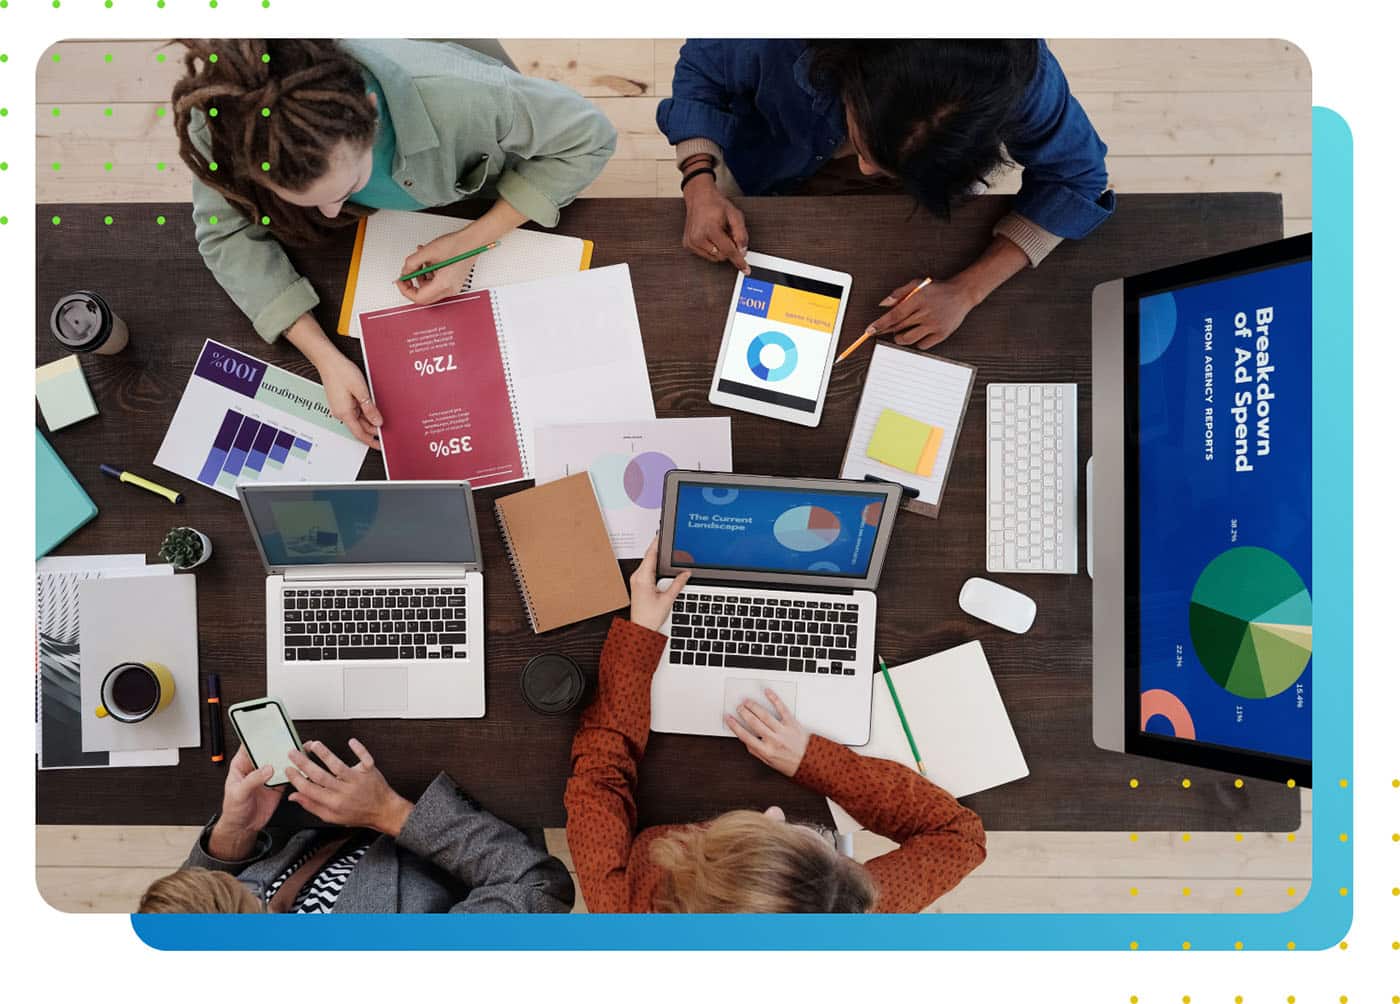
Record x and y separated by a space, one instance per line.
744 861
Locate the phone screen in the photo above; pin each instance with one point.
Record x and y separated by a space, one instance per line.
265 732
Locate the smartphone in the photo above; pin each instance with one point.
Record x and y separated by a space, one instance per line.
264 728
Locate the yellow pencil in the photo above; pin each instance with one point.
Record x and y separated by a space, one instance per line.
871 330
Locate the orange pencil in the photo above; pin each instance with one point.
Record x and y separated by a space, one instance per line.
871 330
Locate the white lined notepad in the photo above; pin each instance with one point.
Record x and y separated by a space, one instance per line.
930 389
392 235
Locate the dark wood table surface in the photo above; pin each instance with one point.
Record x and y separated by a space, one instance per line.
1036 328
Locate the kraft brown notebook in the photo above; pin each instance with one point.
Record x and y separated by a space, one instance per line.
559 548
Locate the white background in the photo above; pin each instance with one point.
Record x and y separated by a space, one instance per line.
97 957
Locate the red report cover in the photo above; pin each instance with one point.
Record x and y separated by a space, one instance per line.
437 375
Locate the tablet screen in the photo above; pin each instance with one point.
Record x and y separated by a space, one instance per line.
780 339
1224 429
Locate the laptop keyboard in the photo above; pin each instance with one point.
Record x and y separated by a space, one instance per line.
397 622
740 631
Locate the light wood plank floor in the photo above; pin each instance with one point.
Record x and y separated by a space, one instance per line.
1178 116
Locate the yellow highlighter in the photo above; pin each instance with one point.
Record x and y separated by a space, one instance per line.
140 482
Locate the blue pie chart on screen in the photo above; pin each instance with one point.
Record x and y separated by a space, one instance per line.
772 356
807 528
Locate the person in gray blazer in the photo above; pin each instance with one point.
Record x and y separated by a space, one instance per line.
440 854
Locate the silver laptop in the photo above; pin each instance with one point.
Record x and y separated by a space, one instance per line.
374 598
780 597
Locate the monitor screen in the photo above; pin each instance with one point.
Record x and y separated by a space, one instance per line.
1223 425
778 529
780 339
363 524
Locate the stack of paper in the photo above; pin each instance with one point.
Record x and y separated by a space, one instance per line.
59 709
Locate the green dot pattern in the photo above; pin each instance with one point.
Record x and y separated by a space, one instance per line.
160 221
4 220
55 113
107 58
4 165
213 165
56 165
266 220
160 166
56 220
266 166
213 113
107 220
160 57
107 166
266 58
266 112
107 112
213 219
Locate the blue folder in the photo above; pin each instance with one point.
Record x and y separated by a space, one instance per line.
60 504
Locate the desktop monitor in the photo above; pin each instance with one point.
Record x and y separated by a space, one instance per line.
1201 516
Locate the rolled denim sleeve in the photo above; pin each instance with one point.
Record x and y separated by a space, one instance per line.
1065 181
702 92
558 143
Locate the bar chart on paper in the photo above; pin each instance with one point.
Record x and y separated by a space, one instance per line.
246 448
241 419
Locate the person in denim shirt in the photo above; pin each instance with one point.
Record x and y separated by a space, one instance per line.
938 116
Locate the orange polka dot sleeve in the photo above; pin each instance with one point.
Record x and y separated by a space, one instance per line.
600 798
940 840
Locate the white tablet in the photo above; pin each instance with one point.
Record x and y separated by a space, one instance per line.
780 339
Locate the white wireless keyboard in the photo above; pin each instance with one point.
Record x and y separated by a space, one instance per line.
1032 477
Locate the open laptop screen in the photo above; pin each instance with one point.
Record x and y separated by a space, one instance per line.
784 527
362 524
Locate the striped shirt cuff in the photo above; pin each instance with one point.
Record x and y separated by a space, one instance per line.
1033 239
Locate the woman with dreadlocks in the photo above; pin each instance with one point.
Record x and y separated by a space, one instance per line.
290 139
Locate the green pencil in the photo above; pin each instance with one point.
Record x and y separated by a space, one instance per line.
899 708
450 261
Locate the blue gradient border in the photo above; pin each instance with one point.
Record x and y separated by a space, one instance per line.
1318 922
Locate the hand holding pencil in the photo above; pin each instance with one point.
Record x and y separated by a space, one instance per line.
921 314
440 268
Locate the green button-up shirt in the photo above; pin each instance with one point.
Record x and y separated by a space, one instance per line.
465 126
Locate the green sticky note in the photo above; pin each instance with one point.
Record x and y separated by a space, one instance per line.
63 393
904 443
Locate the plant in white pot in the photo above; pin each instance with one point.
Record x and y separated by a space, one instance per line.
185 547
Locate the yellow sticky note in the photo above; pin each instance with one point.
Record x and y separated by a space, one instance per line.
905 443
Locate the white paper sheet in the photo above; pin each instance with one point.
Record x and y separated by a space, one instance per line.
627 462
575 351
958 719
137 620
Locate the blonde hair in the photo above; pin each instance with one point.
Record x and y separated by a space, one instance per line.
198 890
747 862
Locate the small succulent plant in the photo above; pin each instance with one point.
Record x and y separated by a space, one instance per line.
183 547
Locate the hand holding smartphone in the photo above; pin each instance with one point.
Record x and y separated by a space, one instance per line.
267 733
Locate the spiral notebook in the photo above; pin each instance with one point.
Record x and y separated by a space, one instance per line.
463 383
385 239
560 552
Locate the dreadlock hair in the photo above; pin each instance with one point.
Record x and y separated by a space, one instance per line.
935 113
286 103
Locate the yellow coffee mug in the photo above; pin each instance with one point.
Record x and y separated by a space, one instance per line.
134 691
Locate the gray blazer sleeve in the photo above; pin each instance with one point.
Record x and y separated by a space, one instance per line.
493 859
200 857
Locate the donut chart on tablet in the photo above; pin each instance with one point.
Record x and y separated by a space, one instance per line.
772 356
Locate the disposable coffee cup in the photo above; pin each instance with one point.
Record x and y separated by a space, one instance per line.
552 684
83 322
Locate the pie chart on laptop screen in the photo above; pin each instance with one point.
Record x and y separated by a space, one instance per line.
807 528
1251 622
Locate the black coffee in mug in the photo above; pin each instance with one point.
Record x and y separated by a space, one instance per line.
134 690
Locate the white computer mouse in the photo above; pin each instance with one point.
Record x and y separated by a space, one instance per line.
995 604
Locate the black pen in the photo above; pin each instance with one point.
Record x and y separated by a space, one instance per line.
215 703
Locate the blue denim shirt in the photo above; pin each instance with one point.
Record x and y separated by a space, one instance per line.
754 99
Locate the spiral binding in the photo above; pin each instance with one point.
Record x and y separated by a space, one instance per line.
510 386
515 567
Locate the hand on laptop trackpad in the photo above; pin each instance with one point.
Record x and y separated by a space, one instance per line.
738 689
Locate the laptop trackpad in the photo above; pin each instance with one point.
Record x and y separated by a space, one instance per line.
375 691
738 689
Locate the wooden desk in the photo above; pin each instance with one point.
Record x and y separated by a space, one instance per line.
1037 328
